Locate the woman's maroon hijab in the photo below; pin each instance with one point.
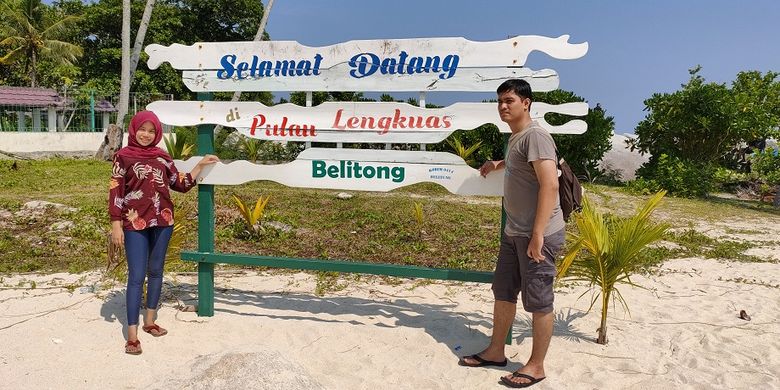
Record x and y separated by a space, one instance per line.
136 150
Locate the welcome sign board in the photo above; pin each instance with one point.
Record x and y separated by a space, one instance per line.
443 64
380 122
359 170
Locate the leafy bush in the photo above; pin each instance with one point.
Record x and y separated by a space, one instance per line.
704 121
226 152
187 134
679 177
490 141
230 145
582 152
767 165
466 153
251 148
728 178
641 186
275 151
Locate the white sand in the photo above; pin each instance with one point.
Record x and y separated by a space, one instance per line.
270 331
621 159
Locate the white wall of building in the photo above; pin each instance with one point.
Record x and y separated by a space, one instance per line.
37 142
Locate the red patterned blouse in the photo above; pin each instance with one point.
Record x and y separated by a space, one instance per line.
139 194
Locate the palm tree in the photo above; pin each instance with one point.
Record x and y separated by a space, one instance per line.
607 251
29 34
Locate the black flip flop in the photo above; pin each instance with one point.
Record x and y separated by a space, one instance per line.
482 362
532 380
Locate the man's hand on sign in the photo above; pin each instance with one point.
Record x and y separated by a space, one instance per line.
490 166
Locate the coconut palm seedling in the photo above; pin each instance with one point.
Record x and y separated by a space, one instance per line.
180 228
252 216
607 250
252 148
419 217
465 153
178 149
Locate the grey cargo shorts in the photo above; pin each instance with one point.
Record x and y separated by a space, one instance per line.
517 274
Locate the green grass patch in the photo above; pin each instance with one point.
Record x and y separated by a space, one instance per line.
456 232
697 244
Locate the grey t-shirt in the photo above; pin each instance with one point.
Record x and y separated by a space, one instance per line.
521 187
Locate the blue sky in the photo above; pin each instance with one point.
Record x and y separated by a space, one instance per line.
636 48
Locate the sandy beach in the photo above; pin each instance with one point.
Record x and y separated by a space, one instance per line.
270 331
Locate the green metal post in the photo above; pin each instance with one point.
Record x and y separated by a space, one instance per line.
91 110
205 222
503 223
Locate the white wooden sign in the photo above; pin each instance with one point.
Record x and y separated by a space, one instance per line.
334 79
380 122
359 170
441 55
445 64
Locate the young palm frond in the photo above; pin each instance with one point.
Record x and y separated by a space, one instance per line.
252 216
462 151
606 251
419 217
251 146
180 226
178 149
418 214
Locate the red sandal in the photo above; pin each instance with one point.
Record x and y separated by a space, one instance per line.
134 344
156 328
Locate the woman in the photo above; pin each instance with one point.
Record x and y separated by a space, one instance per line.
141 213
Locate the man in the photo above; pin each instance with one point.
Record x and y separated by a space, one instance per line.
532 238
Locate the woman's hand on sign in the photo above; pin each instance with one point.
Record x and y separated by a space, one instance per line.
208 159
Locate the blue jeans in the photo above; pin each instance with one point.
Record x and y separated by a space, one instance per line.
145 251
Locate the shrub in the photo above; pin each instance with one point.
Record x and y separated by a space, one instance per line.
679 177
767 165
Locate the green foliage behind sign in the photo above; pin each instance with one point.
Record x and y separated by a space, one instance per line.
584 151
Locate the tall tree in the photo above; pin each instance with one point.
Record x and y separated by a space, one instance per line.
114 133
139 38
173 21
129 64
124 88
691 132
704 121
258 37
31 32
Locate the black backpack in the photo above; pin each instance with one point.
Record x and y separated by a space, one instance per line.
569 190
